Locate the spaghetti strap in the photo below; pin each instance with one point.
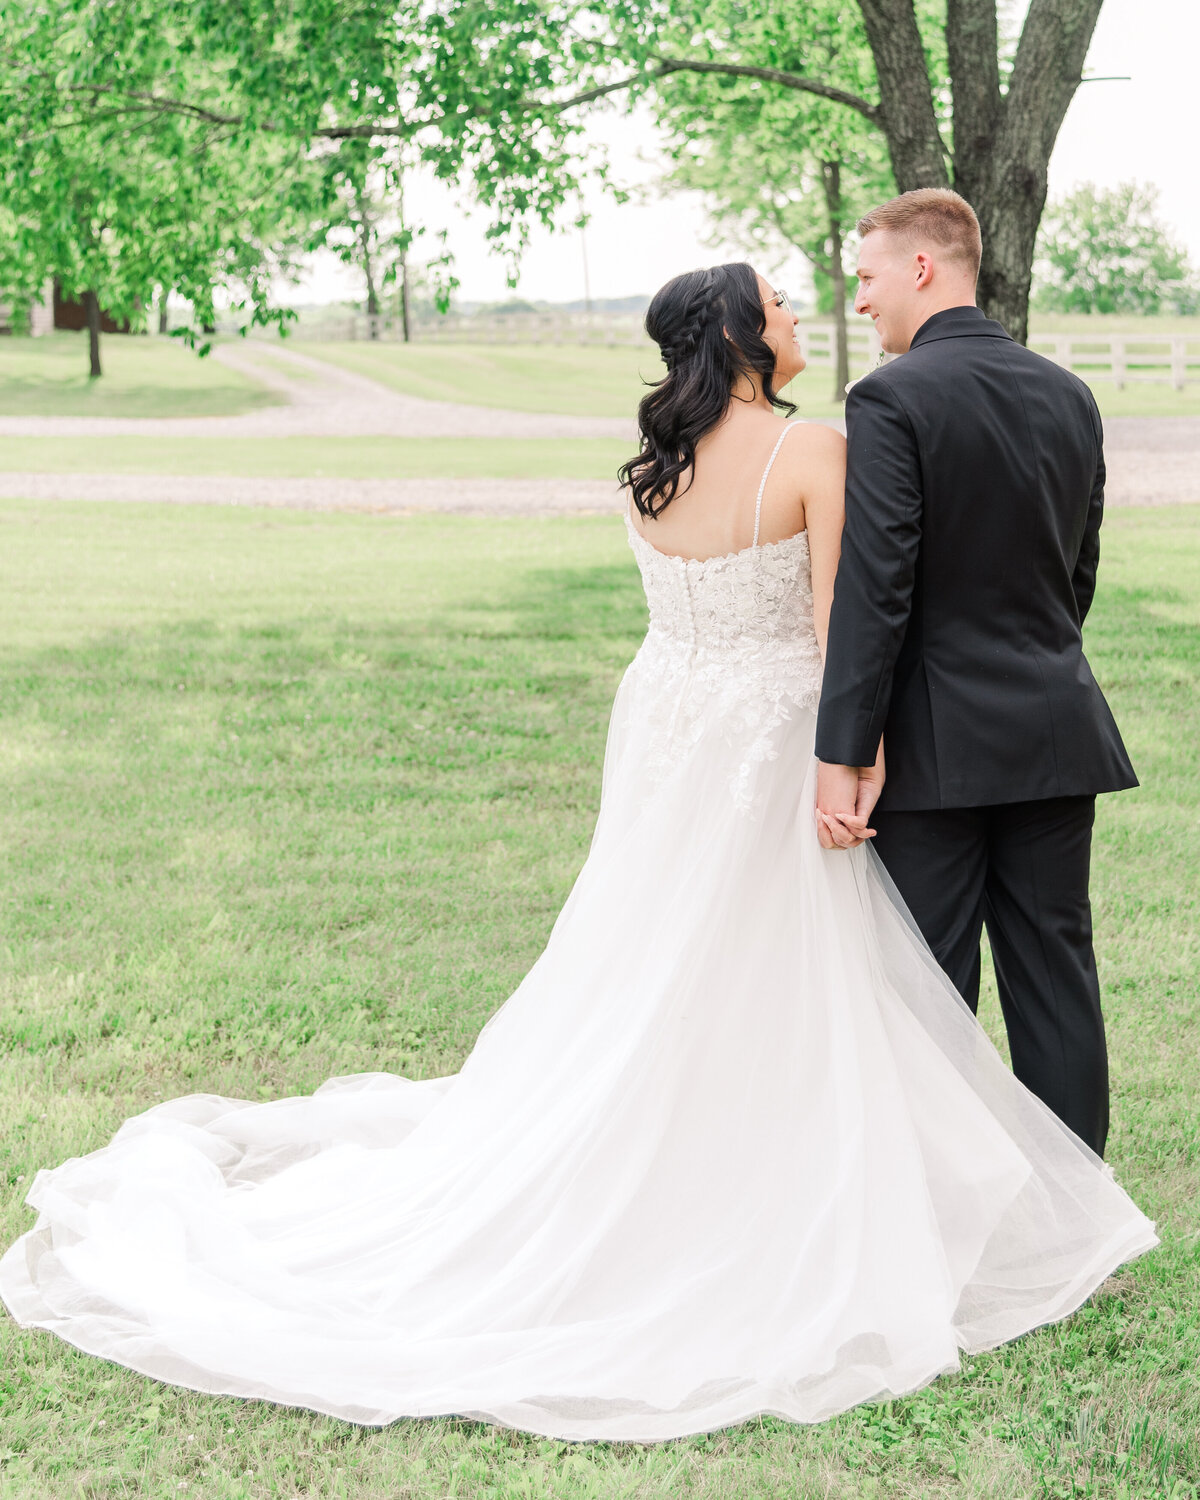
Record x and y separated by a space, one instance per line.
762 483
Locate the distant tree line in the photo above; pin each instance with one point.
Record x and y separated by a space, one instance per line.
1109 252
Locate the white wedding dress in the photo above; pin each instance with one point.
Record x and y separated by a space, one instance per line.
734 1145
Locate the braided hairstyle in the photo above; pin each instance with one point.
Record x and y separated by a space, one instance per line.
688 319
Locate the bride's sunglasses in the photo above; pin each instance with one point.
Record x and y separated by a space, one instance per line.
780 299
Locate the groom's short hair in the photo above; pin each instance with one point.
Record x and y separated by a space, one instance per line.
935 214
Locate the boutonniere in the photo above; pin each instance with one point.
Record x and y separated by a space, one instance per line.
882 360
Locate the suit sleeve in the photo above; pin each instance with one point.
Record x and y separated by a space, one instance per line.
872 595
1083 578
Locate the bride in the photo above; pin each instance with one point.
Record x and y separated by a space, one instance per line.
734 1146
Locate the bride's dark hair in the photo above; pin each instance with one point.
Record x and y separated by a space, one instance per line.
688 319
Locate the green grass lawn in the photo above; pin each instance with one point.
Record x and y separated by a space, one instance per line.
591 381
1103 324
580 382
587 381
287 795
322 457
143 377
1146 401
147 377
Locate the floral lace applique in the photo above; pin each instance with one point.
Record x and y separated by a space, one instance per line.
731 651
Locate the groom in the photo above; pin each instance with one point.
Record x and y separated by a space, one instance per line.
974 493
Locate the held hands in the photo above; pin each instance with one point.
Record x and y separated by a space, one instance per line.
846 798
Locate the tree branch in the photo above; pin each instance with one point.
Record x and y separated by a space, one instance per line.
906 112
556 106
972 45
1047 70
667 65
156 103
814 259
401 130
367 129
772 75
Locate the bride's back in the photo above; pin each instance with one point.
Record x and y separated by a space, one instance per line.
713 513
719 469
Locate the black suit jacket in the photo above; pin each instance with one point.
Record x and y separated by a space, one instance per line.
974 494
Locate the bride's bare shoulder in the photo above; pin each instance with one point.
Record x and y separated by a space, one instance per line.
816 471
818 440
813 449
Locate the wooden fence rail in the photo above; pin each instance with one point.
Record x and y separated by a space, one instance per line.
1120 358
1125 359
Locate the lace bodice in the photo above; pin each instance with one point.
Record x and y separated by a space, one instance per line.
731 652
762 593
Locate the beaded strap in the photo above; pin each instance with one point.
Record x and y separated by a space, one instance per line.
762 483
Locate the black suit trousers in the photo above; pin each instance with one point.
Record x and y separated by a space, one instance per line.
1022 870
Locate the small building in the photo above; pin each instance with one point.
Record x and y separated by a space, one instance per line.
70 314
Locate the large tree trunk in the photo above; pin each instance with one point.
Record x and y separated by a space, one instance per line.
1002 142
1010 197
1009 213
831 180
91 308
163 320
972 49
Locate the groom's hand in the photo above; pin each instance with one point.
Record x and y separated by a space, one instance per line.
845 797
870 785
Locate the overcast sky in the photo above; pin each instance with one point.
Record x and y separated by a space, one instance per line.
1144 129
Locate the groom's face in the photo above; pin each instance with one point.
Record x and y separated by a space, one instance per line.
888 281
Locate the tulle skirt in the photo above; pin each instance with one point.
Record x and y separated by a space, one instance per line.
734 1146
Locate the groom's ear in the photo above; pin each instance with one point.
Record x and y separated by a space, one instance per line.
923 265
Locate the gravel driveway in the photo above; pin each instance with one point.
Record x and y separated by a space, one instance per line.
1151 460
325 401
472 497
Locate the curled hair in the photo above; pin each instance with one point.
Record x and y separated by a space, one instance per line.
688 320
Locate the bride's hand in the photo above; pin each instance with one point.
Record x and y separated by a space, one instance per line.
835 833
840 823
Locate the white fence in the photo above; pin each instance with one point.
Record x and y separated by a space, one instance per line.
1125 358
818 344
512 328
1120 358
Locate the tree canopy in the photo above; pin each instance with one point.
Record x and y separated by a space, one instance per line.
783 170
157 139
198 146
957 104
113 195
